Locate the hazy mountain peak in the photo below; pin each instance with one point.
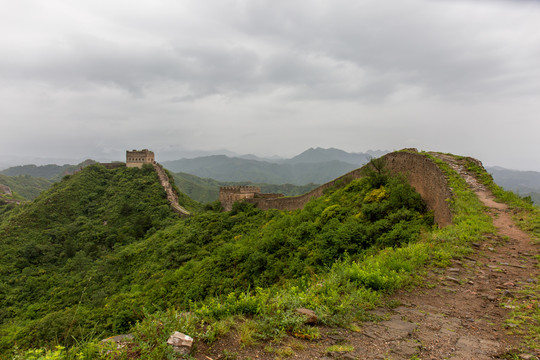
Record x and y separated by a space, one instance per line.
313 155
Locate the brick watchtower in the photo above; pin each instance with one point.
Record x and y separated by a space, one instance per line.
137 158
229 194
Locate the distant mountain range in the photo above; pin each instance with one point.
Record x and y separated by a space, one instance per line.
223 168
524 183
519 181
316 155
315 165
50 172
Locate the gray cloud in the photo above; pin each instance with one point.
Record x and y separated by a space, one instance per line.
81 77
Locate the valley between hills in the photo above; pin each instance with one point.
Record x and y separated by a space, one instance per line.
100 253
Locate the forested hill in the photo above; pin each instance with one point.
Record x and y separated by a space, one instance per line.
51 172
102 250
48 248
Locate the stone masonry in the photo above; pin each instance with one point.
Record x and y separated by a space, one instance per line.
171 195
228 195
421 172
136 158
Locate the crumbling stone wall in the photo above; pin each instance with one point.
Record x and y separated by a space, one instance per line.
422 173
172 197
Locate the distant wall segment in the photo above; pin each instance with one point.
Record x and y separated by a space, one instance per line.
421 172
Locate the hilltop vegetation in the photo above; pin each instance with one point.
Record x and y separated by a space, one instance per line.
101 250
50 248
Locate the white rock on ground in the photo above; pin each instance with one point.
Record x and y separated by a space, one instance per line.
180 342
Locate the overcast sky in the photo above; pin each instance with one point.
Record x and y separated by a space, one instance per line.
90 79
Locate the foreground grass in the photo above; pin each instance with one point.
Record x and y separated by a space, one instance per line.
340 297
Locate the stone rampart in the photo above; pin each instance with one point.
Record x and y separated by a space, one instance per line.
422 173
427 179
171 195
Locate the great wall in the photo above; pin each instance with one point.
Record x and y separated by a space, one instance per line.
171 194
421 172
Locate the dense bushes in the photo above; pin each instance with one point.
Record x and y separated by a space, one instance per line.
50 249
101 249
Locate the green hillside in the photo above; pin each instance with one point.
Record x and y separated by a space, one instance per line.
101 250
22 188
206 190
101 254
28 187
52 250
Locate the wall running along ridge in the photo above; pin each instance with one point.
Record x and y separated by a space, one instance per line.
421 172
171 195
138 159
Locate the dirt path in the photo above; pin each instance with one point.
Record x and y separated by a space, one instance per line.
462 318
460 313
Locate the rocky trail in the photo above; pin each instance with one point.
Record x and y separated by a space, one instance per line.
459 313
